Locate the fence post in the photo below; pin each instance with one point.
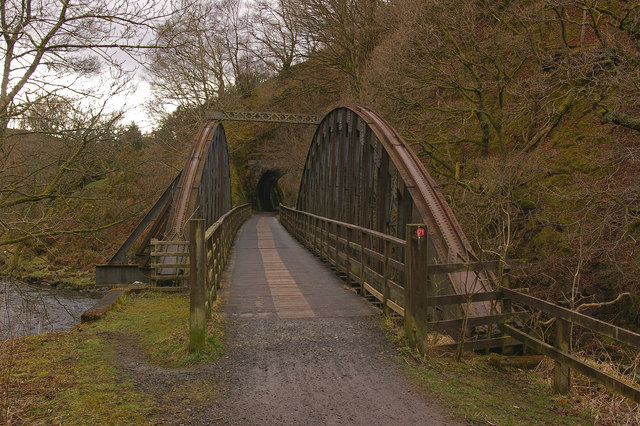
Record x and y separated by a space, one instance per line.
415 288
386 291
505 282
197 268
348 251
562 373
363 262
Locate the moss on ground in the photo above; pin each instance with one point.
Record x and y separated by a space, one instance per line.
160 323
480 393
73 378
38 270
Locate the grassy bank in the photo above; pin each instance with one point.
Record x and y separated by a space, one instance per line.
38 270
480 393
77 377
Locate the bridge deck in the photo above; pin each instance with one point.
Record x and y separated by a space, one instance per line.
275 277
301 349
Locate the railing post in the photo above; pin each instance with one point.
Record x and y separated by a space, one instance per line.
562 373
348 252
197 316
336 259
506 283
386 273
415 288
316 237
153 261
363 242
326 244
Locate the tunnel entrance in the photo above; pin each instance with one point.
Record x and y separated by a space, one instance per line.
269 194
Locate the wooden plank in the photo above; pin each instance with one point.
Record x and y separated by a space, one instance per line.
488 265
610 382
170 253
609 330
480 344
452 299
398 266
170 277
375 293
394 286
456 324
170 265
377 278
395 307
374 254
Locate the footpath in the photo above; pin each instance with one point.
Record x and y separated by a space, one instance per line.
302 349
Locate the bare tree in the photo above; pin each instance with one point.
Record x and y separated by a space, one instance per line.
50 46
197 70
210 62
345 31
278 36
62 60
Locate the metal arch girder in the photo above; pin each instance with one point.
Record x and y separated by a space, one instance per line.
323 184
189 200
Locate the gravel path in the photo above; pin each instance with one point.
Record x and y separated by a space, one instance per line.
301 349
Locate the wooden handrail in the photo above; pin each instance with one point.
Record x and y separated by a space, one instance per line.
371 232
620 334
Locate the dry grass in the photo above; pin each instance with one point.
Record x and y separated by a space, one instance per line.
609 409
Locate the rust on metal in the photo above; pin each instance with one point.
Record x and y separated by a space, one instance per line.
204 190
359 170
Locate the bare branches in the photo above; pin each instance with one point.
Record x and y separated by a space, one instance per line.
54 41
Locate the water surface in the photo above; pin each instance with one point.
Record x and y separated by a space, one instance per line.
26 310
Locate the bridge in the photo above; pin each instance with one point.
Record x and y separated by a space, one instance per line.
368 210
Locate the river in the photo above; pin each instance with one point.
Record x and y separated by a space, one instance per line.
25 309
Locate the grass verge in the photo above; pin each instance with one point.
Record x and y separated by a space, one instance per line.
73 378
159 322
480 393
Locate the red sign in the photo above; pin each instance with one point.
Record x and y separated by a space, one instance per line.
421 232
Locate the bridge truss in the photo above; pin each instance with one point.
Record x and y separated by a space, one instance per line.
263 117
360 171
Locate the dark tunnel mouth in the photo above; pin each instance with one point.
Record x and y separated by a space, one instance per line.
268 191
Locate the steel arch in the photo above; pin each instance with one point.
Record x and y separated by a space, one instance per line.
359 170
204 189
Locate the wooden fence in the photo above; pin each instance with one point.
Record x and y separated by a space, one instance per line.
199 262
208 253
367 259
399 274
169 262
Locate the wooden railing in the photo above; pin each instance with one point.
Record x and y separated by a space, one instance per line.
208 254
169 262
561 350
367 259
400 275
200 262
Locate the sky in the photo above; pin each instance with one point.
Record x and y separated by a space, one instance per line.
134 103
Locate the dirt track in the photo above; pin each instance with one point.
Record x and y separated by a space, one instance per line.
304 350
